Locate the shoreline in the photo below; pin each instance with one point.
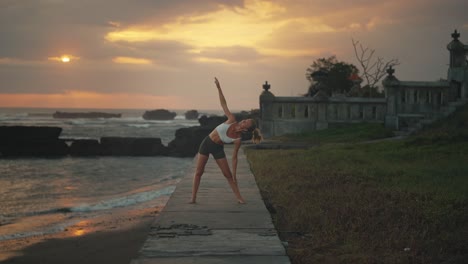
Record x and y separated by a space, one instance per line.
113 238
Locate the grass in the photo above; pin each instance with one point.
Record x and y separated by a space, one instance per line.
397 201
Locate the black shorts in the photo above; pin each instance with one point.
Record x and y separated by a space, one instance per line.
208 146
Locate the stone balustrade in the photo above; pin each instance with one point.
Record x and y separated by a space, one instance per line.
290 115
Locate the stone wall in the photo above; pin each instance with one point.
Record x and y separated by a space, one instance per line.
409 102
291 115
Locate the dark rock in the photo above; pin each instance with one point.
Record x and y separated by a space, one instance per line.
191 115
187 141
85 115
8 133
159 114
211 121
125 146
31 141
85 147
149 147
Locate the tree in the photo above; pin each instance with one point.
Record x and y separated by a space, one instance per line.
337 80
373 69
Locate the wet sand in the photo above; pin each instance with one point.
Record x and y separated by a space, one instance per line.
114 238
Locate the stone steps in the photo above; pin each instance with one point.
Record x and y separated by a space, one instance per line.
444 112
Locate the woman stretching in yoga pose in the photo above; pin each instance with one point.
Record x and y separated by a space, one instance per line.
227 132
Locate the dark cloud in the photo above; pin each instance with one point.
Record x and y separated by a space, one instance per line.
91 12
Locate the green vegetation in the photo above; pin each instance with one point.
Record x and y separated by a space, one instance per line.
391 201
338 73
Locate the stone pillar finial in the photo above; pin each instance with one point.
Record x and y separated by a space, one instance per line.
266 86
390 71
455 35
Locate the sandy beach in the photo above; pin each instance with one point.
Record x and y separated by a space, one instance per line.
113 238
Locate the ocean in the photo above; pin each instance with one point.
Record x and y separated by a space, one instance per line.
41 196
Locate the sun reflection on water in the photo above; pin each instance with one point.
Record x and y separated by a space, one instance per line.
79 232
81 228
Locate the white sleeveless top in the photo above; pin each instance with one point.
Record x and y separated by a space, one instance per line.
222 132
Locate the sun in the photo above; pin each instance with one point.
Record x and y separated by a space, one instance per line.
65 59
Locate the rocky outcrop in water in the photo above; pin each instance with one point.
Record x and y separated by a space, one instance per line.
191 115
211 121
187 141
85 147
31 141
45 141
118 146
159 114
127 146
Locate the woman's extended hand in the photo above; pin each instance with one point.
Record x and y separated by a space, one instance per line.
217 83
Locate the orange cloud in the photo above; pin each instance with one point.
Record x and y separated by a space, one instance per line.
251 26
130 60
83 99
214 60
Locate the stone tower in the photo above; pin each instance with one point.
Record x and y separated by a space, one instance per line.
458 68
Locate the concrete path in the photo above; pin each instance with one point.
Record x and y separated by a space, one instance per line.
217 229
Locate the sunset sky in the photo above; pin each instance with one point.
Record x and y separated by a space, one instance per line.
164 54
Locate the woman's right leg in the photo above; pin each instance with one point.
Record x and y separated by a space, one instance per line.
201 162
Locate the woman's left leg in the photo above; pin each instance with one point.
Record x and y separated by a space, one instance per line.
224 166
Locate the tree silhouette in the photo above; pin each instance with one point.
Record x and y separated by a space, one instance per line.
338 80
373 69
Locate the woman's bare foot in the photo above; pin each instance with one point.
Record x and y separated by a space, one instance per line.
192 202
241 201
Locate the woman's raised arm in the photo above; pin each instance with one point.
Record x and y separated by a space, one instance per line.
223 102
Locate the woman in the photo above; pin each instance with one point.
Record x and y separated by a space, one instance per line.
227 132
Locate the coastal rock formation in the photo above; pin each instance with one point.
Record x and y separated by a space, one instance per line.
85 115
159 114
29 132
44 141
191 115
187 140
85 147
126 146
211 121
31 141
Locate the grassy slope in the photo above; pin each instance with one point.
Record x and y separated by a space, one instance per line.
368 202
